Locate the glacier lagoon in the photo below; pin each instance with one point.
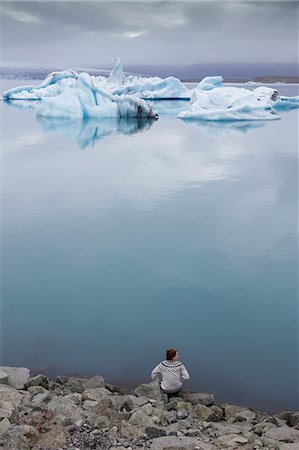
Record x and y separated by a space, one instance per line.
122 238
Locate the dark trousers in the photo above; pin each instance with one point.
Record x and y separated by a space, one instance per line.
171 394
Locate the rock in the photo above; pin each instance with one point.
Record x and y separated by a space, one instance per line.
199 398
232 440
4 425
122 403
284 434
75 384
294 419
203 412
147 409
96 394
150 390
89 404
3 377
155 432
224 429
175 443
217 413
64 407
33 390
246 415
170 416
140 419
17 377
130 431
94 382
75 397
38 380
172 404
289 447
182 414
19 437
61 379
232 410
55 438
10 399
39 399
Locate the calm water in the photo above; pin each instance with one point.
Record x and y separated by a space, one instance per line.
122 239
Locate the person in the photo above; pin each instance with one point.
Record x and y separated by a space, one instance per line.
172 372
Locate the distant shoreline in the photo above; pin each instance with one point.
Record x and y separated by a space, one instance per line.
265 79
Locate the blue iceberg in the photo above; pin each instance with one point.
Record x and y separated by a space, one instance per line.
232 103
86 99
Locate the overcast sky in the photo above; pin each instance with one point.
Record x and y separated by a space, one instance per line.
90 34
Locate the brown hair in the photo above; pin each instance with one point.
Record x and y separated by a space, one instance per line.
170 353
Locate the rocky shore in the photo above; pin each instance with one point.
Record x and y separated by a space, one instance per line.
72 413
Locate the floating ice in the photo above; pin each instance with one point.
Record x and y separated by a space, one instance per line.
117 73
287 103
54 84
116 84
231 103
153 88
208 83
86 99
70 95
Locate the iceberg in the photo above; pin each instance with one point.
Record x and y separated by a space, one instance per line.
232 103
209 83
116 84
117 73
287 103
87 100
54 84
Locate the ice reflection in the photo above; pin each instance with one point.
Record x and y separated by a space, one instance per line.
86 132
224 128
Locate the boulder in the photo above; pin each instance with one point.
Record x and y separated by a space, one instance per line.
10 399
199 398
150 390
178 443
19 437
3 377
203 412
284 434
40 399
33 390
61 406
246 415
289 447
96 394
217 413
17 377
75 384
232 440
129 431
94 382
56 438
38 380
4 424
140 419
232 411
154 432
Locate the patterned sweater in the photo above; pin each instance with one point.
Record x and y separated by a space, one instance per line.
173 373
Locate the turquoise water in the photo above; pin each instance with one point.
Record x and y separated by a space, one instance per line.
120 239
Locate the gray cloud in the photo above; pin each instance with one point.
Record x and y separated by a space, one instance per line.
165 32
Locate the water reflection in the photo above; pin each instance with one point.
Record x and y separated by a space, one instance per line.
86 132
224 128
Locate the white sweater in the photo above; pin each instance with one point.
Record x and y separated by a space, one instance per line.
173 374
